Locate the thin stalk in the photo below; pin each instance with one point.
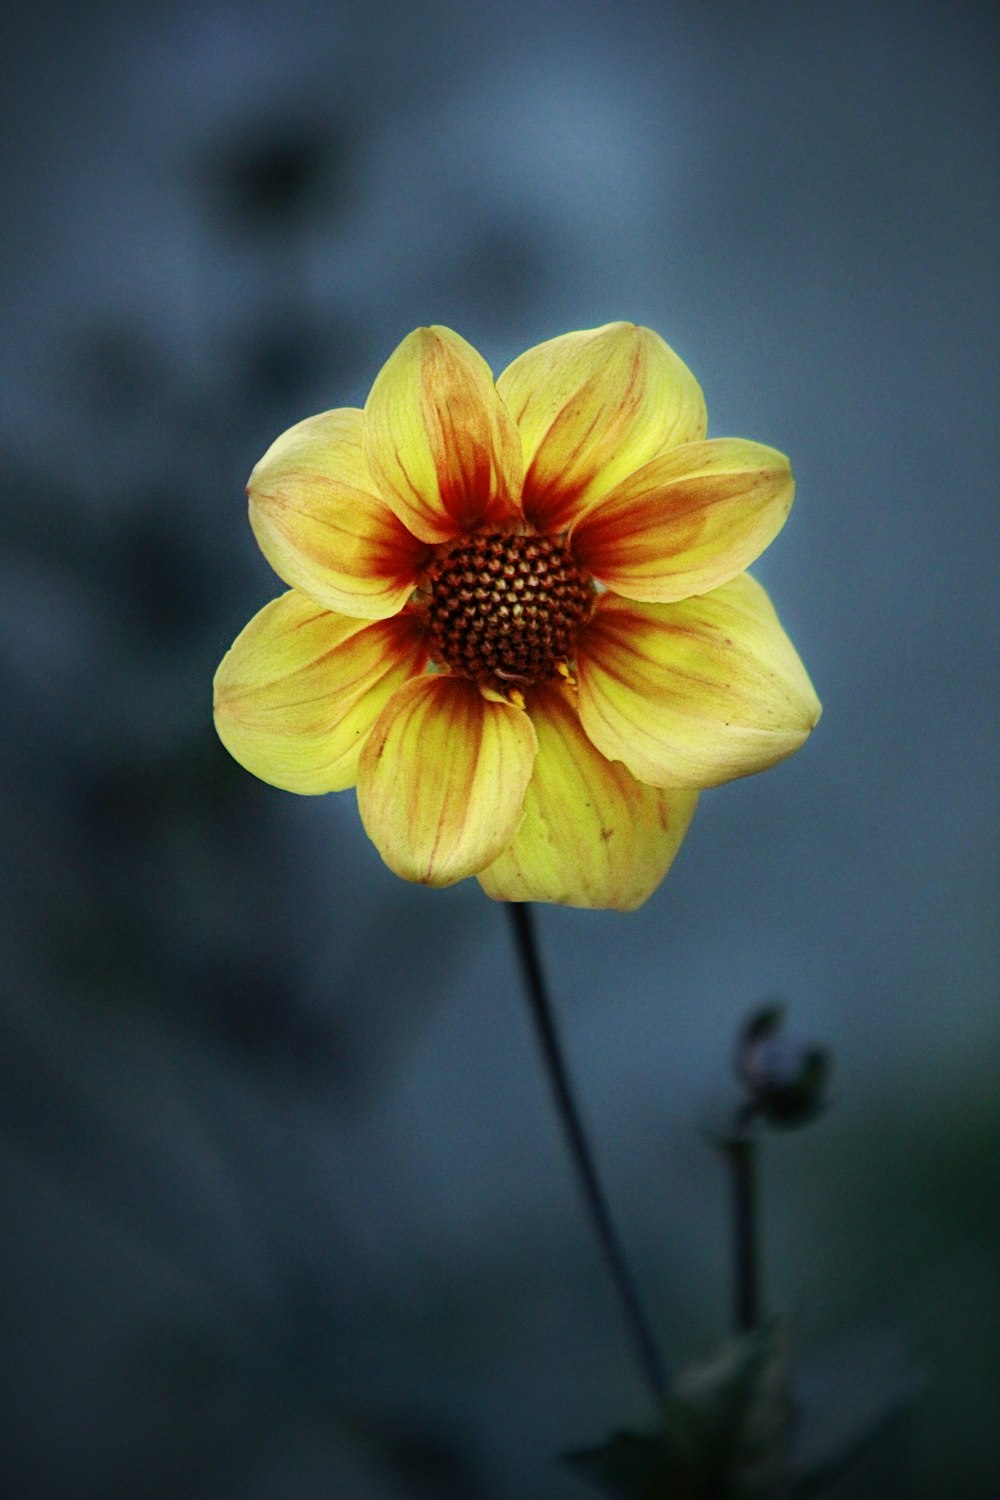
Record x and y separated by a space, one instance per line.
741 1148
647 1352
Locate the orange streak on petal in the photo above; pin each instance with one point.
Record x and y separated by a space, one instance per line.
442 779
442 447
321 525
300 688
695 693
687 521
591 407
592 835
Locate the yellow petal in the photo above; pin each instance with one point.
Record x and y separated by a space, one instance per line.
592 835
687 521
442 779
591 407
696 693
300 688
321 525
444 452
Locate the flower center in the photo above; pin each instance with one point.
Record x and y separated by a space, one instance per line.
507 607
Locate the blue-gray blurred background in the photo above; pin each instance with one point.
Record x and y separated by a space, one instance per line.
285 1212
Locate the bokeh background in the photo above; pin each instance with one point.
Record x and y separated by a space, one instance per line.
285 1213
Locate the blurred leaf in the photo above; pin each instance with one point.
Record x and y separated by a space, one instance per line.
725 1434
858 1388
727 1430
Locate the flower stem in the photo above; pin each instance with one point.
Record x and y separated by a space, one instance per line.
741 1148
650 1360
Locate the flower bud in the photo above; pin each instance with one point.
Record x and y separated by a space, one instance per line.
785 1078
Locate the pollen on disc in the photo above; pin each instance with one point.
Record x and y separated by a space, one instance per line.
506 607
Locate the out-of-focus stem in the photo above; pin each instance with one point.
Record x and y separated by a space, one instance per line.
741 1149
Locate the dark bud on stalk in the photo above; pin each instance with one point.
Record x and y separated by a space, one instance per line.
786 1079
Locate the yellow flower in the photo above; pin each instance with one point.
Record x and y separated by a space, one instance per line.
518 618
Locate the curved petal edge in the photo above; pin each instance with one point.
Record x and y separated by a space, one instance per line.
442 447
442 779
592 835
300 688
696 693
322 527
591 407
688 521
